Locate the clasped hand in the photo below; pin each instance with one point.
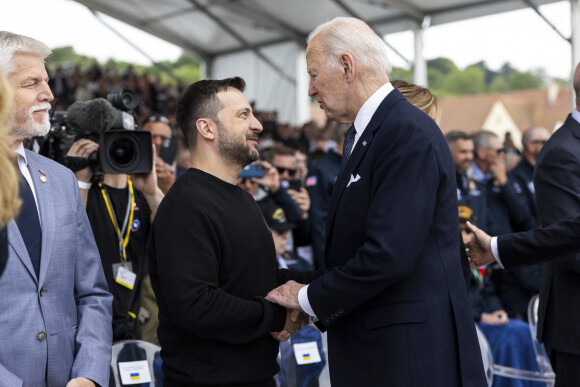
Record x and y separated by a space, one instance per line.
287 295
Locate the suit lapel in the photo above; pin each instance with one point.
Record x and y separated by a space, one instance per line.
17 243
356 157
44 196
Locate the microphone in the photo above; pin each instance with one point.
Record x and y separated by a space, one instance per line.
94 116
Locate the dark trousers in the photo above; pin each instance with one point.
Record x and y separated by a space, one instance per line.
567 368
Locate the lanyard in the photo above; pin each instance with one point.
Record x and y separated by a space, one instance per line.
123 240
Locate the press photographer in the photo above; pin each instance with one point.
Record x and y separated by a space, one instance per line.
120 206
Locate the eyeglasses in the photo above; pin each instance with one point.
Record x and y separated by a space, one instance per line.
281 170
538 142
157 118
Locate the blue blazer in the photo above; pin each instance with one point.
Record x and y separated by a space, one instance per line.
56 326
394 301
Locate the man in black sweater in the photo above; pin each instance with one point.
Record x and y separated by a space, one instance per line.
212 257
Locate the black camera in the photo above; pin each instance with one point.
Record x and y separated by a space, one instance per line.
111 124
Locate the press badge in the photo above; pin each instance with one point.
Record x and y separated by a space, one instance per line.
134 372
306 353
125 277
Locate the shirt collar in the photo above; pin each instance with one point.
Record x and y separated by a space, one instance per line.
478 174
576 115
369 108
21 153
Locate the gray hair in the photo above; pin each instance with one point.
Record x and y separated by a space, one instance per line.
347 34
482 139
11 44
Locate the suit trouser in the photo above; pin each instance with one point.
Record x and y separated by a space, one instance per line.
567 368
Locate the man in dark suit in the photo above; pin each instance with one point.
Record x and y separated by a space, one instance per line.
539 245
556 180
393 299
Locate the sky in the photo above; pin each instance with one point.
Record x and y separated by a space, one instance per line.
518 37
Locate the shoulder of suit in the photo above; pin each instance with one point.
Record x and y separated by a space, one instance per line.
45 164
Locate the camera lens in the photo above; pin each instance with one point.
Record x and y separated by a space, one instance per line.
122 151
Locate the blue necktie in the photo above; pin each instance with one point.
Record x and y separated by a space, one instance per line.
29 224
347 146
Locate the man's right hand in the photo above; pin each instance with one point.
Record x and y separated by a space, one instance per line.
83 148
294 321
479 248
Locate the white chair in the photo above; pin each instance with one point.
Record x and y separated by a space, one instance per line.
128 358
541 355
492 369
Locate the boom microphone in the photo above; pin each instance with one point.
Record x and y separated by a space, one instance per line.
94 116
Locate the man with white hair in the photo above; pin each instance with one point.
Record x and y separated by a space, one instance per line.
56 309
393 299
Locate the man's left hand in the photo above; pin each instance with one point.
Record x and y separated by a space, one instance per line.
80 382
286 295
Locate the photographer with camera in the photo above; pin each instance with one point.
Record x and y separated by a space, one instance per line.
113 164
120 210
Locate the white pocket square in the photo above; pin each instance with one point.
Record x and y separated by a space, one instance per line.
353 179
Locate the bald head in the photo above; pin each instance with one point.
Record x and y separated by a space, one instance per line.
577 85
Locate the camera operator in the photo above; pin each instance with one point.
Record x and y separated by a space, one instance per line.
120 210
166 147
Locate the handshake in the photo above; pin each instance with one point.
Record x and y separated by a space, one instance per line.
287 296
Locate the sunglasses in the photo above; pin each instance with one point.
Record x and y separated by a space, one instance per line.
158 118
291 172
538 142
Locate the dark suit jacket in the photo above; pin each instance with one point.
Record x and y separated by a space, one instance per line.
540 245
394 300
557 183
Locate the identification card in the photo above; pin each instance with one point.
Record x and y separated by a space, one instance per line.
306 353
125 277
134 372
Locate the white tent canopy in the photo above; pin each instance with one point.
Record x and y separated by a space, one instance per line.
263 41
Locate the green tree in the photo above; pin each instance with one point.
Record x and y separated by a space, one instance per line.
435 78
523 80
444 65
468 81
401 74
499 84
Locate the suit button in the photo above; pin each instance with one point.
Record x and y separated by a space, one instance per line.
41 336
41 292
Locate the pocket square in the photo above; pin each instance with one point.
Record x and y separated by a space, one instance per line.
353 179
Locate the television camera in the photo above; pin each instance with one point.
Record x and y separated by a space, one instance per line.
111 124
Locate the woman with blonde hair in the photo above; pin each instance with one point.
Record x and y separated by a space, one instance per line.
9 200
421 97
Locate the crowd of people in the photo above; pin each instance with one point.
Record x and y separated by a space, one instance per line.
249 238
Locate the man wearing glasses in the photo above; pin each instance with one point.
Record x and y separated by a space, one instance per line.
165 146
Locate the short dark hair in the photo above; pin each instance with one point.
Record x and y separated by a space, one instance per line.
455 135
200 100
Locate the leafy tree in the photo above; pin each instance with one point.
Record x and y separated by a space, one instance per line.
499 84
444 65
468 81
401 74
523 80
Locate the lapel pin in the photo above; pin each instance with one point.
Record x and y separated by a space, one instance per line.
364 143
42 176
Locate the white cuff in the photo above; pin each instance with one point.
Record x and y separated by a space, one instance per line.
495 251
83 185
303 301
